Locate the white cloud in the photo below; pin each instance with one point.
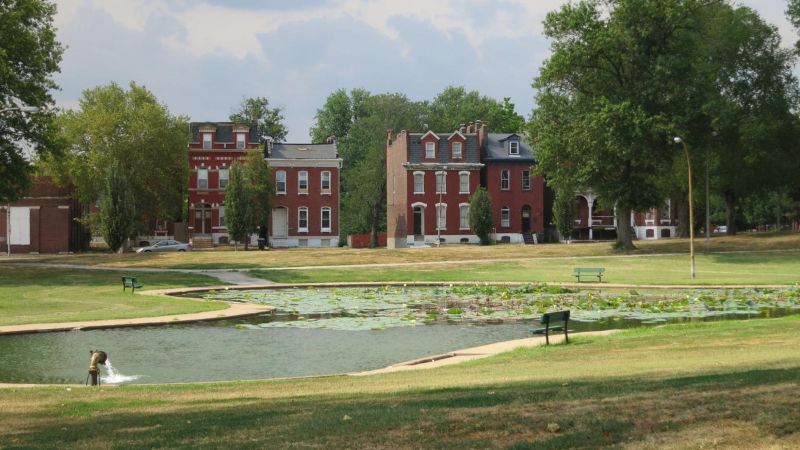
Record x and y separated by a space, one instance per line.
134 14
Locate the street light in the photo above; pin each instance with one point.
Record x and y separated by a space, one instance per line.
23 109
678 140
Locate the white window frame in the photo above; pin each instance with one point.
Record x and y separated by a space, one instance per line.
240 141
421 175
302 178
221 219
226 178
441 216
280 178
322 211
463 220
513 148
325 175
301 212
441 188
461 178
526 176
202 178
460 153
430 150
505 217
208 143
668 207
505 180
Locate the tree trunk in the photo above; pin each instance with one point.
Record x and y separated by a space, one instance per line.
730 210
682 207
373 231
624 229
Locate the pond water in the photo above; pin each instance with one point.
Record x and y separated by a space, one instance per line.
328 331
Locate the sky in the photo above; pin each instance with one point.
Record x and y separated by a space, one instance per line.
201 58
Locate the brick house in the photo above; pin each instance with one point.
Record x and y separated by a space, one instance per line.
44 221
306 203
432 176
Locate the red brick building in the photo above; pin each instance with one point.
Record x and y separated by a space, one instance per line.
306 203
432 176
44 221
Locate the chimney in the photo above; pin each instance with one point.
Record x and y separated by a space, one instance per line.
462 128
331 139
482 128
470 128
389 135
267 146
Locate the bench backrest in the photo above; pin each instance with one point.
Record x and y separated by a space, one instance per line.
589 269
128 280
558 316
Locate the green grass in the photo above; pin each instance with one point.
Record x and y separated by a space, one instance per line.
726 384
47 295
724 269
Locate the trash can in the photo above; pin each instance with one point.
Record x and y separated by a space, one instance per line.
262 243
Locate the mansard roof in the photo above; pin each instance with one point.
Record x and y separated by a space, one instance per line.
497 148
416 152
224 131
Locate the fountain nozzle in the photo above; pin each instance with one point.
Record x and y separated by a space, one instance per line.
97 357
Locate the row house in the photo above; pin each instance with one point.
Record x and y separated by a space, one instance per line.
306 202
431 178
594 223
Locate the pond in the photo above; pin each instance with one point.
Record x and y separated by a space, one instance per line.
328 331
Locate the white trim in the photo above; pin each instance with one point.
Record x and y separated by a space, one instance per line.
414 186
461 205
441 219
330 219
508 187
415 204
324 190
300 189
460 153
456 133
431 133
299 228
443 173
425 156
461 174
277 191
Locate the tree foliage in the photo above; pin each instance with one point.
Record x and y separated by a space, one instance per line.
29 56
268 121
455 106
340 111
564 212
238 211
480 214
260 187
117 215
129 128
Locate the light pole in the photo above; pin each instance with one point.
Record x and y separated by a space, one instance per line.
24 109
678 140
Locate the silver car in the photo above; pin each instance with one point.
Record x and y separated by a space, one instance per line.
166 246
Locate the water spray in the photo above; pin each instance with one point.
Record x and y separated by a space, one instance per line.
97 357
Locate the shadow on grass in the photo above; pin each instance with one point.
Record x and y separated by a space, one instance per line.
590 414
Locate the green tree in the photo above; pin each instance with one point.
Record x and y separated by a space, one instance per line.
238 210
132 129
564 212
616 87
455 106
480 214
338 114
117 215
29 56
268 121
261 189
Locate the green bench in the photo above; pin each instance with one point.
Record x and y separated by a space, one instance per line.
130 282
548 320
588 271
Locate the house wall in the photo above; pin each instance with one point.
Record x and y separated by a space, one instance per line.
398 220
515 198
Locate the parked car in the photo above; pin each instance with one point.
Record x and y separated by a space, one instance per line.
166 246
721 229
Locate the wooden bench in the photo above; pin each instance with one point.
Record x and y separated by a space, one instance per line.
548 319
588 271
130 282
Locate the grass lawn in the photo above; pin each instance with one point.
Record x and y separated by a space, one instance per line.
720 385
722 268
46 295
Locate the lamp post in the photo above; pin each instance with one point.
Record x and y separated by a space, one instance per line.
678 140
23 109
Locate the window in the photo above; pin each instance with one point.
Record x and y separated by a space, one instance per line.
441 182
505 217
239 140
302 219
456 150
463 182
325 216
441 219
419 182
505 180
207 141
222 216
223 177
463 216
666 211
325 182
202 178
430 150
280 181
526 180
513 148
302 182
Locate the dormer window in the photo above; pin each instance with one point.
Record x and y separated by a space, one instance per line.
240 140
206 141
430 150
457 150
513 148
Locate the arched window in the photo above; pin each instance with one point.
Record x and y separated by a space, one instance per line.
325 219
463 216
463 182
302 219
505 217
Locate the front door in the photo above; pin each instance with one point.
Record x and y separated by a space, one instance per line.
526 219
202 219
418 218
280 223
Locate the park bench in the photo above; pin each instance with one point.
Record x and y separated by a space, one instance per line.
130 282
588 271
548 320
